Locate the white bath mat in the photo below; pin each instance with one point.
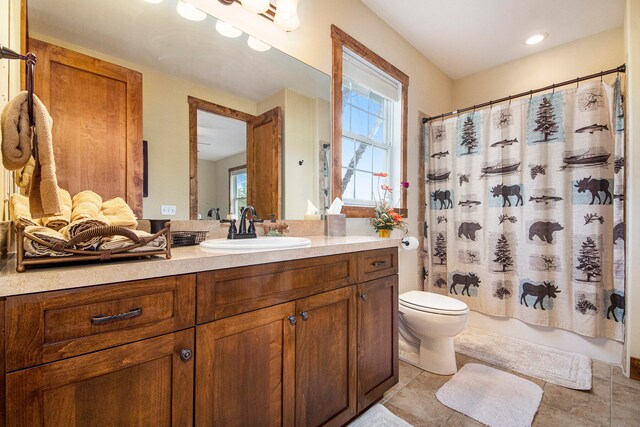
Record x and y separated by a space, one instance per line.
491 396
566 369
379 416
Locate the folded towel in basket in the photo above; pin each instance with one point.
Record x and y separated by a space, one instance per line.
17 140
86 205
19 210
77 227
58 221
35 249
119 214
118 242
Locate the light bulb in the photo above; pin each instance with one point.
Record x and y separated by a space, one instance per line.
256 6
287 15
190 12
536 38
257 44
227 30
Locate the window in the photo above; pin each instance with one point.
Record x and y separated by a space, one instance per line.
369 133
237 189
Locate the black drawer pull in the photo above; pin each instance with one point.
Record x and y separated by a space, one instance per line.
135 312
379 264
304 315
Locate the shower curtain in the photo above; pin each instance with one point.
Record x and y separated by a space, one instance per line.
524 214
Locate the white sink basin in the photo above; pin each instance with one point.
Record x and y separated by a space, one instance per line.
261 243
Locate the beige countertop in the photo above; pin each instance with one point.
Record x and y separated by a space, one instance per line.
184 260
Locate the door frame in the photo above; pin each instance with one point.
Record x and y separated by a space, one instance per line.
196 104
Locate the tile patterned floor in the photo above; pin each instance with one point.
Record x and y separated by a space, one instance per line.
614 400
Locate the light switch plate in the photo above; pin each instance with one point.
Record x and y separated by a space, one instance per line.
167 210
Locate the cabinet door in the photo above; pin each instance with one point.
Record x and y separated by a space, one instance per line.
377 339
326 358
245 369
146 383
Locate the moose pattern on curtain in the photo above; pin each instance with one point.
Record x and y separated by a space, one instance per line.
525 209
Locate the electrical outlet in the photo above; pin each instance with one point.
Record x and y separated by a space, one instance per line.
167 210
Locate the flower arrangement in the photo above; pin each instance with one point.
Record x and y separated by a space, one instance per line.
385 217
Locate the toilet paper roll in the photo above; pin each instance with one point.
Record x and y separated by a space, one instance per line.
409 243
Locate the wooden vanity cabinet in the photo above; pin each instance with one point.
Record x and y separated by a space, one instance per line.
297 343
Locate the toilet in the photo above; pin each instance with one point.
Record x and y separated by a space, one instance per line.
428 324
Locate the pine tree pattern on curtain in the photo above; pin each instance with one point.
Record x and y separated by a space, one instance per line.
525 209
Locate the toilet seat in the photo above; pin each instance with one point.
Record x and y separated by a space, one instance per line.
429 302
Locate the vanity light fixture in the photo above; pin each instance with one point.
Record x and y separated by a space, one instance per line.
190 12
536 38
283 13
287 15
256 6
257 44
227 30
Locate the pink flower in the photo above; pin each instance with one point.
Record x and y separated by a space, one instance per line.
385 187
381 174
404 184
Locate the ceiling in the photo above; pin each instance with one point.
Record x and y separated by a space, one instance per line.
220 137
155 36
462 37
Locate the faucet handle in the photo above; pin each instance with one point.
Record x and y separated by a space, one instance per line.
232 228
252 228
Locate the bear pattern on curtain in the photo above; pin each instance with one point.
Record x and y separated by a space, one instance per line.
525 209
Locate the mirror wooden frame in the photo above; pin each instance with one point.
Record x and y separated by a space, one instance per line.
340 39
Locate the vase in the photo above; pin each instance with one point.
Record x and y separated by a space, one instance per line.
384 233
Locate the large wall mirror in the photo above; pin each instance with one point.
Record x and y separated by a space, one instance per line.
224 124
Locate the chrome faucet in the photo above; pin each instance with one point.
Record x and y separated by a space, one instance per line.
242 232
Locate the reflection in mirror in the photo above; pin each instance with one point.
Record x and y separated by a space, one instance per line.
222 165
176 59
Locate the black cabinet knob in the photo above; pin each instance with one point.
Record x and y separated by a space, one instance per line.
364 297
185 354
292 319
304 315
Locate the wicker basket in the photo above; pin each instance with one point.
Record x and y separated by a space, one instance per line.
76 255
187 238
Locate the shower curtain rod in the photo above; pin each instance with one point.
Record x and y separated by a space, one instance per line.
620 69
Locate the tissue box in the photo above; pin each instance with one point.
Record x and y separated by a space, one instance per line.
336 225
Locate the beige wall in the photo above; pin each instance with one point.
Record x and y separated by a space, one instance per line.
585 56
632 41
206 186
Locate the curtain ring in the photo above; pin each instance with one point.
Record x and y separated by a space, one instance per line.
530 94
509 101
553 86
490 105
577 82
601 74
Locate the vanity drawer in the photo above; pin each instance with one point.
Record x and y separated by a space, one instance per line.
55 325
377 263
228 292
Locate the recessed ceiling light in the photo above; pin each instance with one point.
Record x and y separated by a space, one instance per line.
257 44
227 30
536 38
190 12
153 1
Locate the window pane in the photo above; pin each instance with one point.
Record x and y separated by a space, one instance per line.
347 151
359 100
363 185
360 122
348 192
379 160
365 161
376 103
241 185
346 118
376 129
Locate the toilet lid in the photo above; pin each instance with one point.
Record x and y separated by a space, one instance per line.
433 303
